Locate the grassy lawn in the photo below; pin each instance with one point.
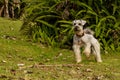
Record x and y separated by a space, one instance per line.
24 60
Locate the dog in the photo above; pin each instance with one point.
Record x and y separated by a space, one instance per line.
84 38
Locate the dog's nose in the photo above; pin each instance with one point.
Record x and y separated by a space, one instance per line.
76 28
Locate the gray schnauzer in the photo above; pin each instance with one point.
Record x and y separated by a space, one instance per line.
84 37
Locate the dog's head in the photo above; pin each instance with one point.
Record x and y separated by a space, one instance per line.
78 25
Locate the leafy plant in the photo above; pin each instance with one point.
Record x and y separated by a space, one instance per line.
50 22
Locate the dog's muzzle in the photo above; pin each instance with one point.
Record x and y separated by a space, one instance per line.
76 28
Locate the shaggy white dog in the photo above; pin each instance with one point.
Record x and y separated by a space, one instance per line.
84 37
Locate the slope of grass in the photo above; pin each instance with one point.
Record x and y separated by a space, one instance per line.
24 60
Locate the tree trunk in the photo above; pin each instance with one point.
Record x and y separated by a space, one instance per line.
12 11
1 10
15 3
6 12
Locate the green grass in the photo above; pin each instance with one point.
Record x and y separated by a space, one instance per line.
46 63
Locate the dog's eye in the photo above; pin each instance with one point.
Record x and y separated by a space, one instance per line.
74 24
79 24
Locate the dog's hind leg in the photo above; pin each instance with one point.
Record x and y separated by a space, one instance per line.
96 50
87 50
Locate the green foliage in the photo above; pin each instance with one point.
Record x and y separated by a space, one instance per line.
47 26
50 22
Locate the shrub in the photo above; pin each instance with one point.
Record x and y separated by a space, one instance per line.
50 21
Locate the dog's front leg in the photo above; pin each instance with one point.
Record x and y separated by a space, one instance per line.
76 49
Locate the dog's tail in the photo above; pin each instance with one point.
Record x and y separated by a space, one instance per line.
88 31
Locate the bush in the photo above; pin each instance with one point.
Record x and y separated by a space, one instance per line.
50 21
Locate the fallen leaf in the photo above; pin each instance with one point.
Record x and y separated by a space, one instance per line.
58 55
30 59
28 71
13 71
73 72
4 61
99 77
21 78
78 68
89 70
47 60
20 65
89 78
3 76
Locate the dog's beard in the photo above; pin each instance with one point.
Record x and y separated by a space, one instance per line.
79 33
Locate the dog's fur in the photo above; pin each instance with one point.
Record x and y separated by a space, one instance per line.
84 37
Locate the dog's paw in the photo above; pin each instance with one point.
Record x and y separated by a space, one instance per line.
99 61
78 61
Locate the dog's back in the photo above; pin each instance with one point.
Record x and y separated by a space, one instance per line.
88 31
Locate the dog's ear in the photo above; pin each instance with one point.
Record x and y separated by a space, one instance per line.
73 22
83 22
